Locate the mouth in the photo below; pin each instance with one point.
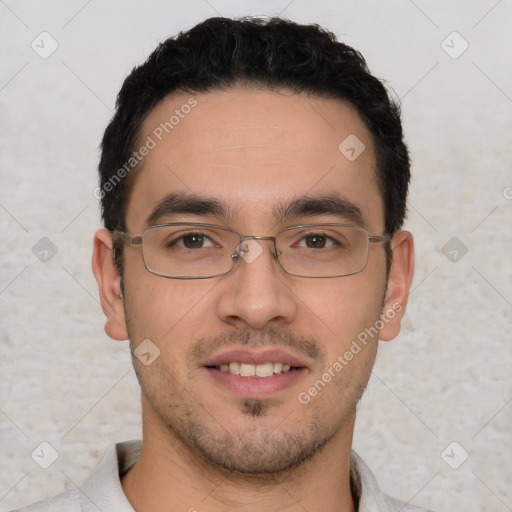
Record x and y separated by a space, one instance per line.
255 375
255 370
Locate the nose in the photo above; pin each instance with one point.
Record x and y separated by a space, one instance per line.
256 293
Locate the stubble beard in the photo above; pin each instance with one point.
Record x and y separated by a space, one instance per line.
254 452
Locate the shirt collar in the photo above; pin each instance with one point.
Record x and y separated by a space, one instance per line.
104 485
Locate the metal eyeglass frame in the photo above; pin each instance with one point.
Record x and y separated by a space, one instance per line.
119 235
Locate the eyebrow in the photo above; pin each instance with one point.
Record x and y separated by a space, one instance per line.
333 205
176 203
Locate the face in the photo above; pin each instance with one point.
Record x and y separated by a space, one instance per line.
255 153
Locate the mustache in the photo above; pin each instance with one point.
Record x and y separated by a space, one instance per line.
270 337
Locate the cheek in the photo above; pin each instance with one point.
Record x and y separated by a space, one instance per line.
342 308
341 317
158 313
167 311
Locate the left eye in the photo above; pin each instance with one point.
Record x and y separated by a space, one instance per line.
317 241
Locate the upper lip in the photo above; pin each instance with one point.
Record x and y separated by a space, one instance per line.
248 356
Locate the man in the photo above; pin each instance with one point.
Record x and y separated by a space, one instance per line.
253 186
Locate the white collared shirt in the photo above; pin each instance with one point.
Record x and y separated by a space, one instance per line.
103 490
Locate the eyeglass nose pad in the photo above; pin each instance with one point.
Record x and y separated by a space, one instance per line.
249 250
238 251
242 247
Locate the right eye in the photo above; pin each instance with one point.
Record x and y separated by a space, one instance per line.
192 241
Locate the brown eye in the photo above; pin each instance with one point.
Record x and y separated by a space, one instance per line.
193 241
315 241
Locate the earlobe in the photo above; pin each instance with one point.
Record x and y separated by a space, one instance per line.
109 285
399 284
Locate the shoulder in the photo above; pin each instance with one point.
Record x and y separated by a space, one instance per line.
102 490
65 502
371 497
395 505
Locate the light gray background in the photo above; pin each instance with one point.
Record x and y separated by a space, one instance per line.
446 378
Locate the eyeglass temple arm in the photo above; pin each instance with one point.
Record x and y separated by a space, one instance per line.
119 236
376 239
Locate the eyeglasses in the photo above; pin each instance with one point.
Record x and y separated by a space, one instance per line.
188 250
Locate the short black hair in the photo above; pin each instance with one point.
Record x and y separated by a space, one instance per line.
271 53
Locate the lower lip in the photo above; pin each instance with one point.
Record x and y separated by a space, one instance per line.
257 387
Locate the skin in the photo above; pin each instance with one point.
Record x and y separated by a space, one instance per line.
203 445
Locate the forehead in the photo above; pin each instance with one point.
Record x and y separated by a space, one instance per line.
253 150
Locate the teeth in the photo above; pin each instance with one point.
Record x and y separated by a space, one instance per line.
247 370
254 370
264 370
234 368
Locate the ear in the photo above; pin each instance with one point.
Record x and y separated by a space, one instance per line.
109 284
399 284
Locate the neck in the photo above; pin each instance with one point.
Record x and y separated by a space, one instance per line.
170 476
